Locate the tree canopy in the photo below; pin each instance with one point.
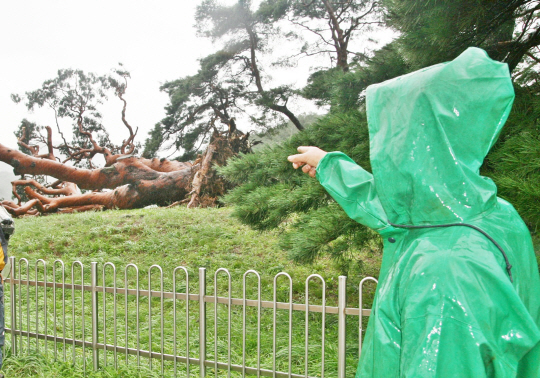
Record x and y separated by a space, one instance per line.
272 195
77 96
234 81
333 24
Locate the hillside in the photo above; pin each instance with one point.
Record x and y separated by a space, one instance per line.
194 238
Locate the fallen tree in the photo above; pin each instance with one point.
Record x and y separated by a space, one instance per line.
125 181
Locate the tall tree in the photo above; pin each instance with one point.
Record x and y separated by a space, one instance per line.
334 23
199 105
328 27
508 30
233 82
273 195
246 37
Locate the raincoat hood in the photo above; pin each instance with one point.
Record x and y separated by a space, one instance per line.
429 134
446 305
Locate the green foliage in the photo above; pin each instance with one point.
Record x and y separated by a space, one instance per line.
386 63
514 162
321 86
26 132
74 96
272 10
198 105
445 28
438 31
153 142
330 231
271 195
215 20
343 90
274 195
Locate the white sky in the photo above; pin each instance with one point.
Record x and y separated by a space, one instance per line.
155 41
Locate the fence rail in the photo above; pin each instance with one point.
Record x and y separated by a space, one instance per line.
112 319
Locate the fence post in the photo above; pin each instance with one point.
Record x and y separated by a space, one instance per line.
342 326
94 294
13 309
202 322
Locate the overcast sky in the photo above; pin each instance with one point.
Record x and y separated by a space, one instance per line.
155 41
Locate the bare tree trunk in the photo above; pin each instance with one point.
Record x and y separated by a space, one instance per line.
200 176
340 41
258 82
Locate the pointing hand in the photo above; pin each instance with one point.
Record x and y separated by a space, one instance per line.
308 159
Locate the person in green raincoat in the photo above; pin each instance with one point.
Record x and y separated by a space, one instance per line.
459 289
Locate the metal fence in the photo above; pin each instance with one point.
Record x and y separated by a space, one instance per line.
170 328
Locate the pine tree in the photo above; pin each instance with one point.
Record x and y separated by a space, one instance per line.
272 195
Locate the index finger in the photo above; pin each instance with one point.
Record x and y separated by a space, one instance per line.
298 158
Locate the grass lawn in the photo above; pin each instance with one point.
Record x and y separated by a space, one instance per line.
174 237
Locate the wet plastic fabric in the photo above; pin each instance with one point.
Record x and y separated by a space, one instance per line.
445 305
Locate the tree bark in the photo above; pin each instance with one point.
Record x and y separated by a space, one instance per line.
200 176
130 182
258 82
340 42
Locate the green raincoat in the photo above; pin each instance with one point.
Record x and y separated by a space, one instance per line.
459 290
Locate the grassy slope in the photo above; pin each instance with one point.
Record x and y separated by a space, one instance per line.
169 237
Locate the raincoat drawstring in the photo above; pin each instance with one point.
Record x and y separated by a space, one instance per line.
508 265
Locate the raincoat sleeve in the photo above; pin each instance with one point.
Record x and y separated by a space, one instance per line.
353 188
